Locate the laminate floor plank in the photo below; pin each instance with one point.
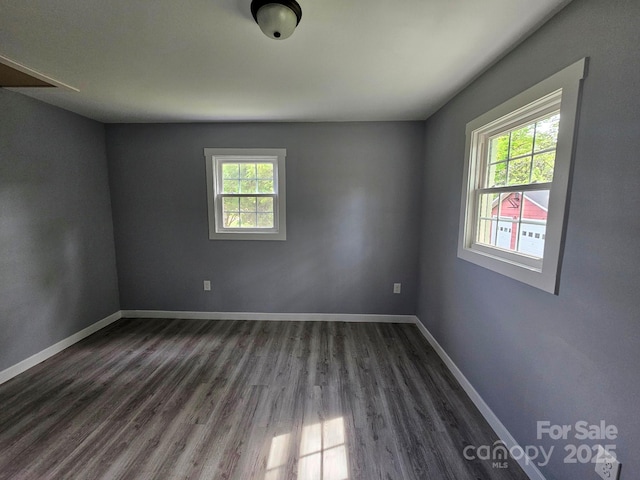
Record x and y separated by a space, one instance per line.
234 400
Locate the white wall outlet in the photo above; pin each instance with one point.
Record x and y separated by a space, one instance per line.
397 287
207 285
607 465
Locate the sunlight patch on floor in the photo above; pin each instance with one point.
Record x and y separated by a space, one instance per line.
322 453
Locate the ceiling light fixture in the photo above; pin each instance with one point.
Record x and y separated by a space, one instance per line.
277 18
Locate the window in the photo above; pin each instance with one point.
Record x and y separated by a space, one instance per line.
246 194
516 179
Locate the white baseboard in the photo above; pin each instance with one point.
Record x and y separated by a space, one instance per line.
528 466
292 317
41 356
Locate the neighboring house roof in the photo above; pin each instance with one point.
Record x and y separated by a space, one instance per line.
540 198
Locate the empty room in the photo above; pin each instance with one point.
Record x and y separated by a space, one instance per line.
319 240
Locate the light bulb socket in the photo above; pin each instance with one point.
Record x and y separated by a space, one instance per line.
292 4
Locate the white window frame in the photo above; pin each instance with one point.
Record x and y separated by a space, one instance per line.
560 92
214 158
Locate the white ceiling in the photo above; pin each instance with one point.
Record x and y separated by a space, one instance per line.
206 60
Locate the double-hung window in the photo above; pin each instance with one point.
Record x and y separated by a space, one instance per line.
517 167
246 194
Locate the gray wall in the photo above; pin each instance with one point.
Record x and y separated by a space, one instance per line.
353 207
531 355
57 257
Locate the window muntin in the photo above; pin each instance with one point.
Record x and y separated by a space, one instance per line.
246 194
516 179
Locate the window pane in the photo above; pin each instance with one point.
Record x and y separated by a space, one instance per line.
531 242
230 170
547 132
536 205
265 220
230 212
543 164
248 204
265 170
231 219
248 186
507 234
510 206
519 171
486 232
497 175
521 141
230 186
265 204
247 170
247 220
499 148
265 186
488 205
534 223
230 204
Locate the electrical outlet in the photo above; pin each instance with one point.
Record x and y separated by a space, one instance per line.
207 285
607 465
397 287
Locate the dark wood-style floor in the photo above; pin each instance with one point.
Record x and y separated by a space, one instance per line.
186 399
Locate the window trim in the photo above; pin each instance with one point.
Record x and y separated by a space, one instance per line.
529 104
275 155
